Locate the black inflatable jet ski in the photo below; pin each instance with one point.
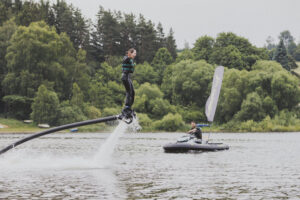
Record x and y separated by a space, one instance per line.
190 143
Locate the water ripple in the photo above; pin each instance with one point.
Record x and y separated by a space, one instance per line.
61 166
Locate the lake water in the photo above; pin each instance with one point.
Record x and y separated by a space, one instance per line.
70 166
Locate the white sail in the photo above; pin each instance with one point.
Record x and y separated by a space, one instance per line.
212 101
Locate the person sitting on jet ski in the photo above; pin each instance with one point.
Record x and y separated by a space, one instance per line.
196 131
127 70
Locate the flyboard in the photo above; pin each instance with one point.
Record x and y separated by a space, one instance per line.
127 118
189 142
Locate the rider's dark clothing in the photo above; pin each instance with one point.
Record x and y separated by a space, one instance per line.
128 69
197 133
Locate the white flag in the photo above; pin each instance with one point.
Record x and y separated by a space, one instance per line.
212 101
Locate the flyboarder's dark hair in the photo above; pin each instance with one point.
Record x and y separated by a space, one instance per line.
131 50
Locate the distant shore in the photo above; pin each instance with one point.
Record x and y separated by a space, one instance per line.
12 126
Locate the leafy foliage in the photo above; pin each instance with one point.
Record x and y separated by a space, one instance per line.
72 60
266 90
38 55
160 61
203 48
150 100
45 106
6 32
145 73
69 113
170 122
16 106
187 82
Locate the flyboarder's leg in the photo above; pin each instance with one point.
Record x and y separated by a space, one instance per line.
131 93
127 111
126 84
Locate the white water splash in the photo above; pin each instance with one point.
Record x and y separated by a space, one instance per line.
23 160
28 159
103 157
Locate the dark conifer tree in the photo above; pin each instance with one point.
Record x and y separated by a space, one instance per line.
108 31
171 44
288 41
281 55
128 32
160 36
146 40
67 19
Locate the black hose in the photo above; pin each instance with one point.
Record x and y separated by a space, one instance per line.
59 128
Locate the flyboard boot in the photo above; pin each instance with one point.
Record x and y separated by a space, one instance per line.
127 115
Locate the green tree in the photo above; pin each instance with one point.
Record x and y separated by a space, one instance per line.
146 37
160 107
77 97
128 32
288 41
228 56
108 31
151 91
270 87
203 48
149 100
145 73
171 44
38 55
108 111
107 73
6 32
269 106
188 82
70 20
160 61
160 36
236 52
6 10
296 54
16 106
233 92
91 111
291 62
45 106
281 56
102 95
29 12
252 108
186 54
192 113
242 44
69 113
170 122
145 121
80 72
285 90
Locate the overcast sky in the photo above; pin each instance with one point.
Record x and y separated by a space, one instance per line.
190 19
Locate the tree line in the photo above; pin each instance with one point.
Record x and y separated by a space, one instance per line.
57 67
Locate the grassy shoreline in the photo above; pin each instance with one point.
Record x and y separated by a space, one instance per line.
17 127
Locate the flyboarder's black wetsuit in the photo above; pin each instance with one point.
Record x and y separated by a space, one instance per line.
127 70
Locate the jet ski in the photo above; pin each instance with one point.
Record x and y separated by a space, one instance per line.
190 143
